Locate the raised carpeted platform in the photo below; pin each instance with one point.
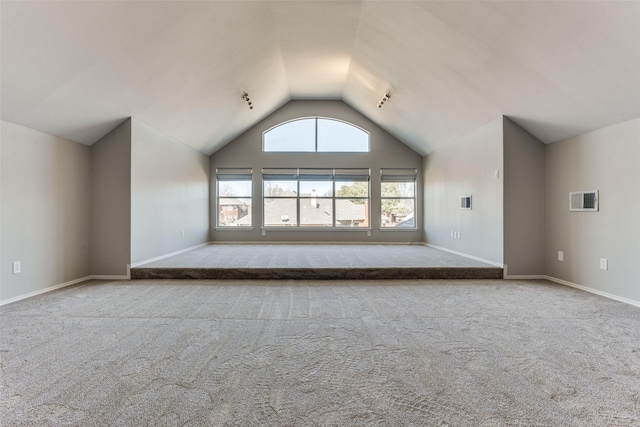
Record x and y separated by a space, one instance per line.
316 262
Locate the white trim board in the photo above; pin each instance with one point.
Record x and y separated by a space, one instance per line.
62 285
45 290
594 291
486 261
158 258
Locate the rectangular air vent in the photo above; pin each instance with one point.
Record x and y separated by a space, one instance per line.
465 202
583 201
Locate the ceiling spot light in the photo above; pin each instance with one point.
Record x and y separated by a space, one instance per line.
245 96
384 99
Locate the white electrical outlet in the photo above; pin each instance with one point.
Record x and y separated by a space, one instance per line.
182 233
457 234
560 256
604 264
496 174
453 234
264 233
16 267
368 233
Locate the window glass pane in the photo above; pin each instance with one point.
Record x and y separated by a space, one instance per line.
352 189
398 213
317 188
234 212
352 213
280 212
295 136
280 188
234 188
316 212
336 136
398 189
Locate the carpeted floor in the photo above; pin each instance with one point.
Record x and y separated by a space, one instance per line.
316 262
314 256
394 353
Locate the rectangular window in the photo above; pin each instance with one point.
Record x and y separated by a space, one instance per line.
398 198
316 197
233 196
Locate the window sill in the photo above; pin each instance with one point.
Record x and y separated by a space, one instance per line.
398 229
322 229
234 228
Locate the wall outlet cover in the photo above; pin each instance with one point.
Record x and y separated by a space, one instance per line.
560 256
16 267
604 264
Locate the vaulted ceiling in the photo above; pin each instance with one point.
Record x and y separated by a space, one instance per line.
77 69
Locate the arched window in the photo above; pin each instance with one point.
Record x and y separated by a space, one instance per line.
316 134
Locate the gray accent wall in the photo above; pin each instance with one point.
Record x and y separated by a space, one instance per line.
246 151
466 167
169 194
46 214
111 202
606 160
524 201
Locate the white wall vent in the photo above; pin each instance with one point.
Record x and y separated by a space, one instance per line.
583 201
465 202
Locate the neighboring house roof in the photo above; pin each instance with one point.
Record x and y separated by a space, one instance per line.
310 215
231 201
407 222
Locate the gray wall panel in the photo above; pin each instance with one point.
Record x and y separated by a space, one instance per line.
523 201
169 194
606 160
466 167
386 151
111 202
45 210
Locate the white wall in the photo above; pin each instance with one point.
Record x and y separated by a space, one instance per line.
524 202
386 152
45 210
169 194
606 160
111 202
462 168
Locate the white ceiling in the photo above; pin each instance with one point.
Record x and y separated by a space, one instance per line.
77 69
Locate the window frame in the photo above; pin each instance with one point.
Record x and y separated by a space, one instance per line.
316 120
234 175
399 175
335 175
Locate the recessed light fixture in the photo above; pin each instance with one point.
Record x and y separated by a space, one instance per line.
384 99
245 96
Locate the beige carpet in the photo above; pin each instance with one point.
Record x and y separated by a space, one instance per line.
395 353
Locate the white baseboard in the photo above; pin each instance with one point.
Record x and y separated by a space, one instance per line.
526 277
158 258
486 261
45 290
108 277
63 285
594 291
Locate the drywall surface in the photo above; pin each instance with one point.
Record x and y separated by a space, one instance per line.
605 160
45 210
523 179
169 194
467 167
111 202
386 152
